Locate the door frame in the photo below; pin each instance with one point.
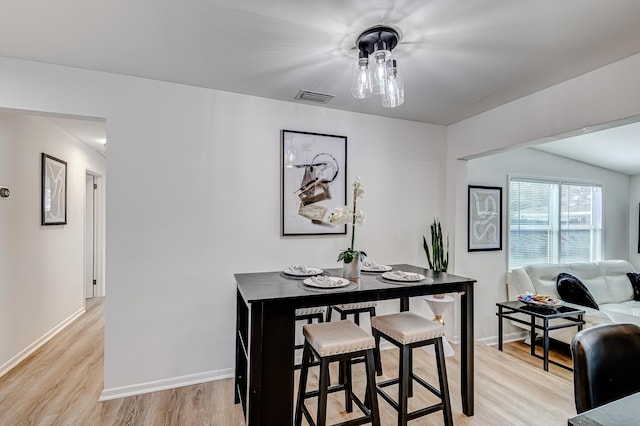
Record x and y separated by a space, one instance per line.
99 236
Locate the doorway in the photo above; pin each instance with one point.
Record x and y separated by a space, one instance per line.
93 285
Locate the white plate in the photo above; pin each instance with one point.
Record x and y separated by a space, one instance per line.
375 268
402 276
307 272
326 282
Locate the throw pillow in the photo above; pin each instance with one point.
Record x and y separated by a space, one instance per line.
635 283
572 290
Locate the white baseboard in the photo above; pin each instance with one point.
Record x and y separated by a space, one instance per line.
509 337
193 379
7 366
164 384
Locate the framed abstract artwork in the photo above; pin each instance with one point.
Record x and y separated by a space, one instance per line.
485 218
313 178
54 191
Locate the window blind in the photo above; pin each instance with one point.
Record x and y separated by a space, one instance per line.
553 222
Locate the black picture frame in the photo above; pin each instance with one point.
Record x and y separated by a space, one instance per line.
313 182
54 191
484 229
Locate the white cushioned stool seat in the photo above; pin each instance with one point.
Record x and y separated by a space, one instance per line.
339 337
407 327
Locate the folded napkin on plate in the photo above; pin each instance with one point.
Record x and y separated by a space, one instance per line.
406 275
371 265
298 268
321 280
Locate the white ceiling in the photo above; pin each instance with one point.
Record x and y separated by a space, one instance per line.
458 58
616 148
90 131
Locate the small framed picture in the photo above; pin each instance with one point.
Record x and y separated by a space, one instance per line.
54 191
314 182
485 218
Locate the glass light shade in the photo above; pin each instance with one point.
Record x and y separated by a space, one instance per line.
361 79
393 95
380 63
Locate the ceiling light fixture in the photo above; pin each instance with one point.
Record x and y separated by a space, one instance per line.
375 71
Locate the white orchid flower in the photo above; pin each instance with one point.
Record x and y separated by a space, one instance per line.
358 187
340 216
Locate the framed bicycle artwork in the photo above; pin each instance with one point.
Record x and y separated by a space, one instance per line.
313 178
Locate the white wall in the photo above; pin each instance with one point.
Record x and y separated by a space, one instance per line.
194 196
634 200
41 267
184 211
490 267
604 95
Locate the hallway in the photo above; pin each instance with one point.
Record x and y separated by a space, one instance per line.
61 382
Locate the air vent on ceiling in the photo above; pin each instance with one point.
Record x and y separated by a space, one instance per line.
315 97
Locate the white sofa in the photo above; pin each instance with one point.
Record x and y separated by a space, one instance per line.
607 281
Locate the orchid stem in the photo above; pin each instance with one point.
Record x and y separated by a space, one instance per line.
353 221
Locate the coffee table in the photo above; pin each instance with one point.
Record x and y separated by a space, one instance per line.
570 314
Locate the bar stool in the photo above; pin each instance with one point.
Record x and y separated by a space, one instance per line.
330 342
356 309
308 314
407 330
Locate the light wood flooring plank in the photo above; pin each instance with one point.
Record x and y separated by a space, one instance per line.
60 385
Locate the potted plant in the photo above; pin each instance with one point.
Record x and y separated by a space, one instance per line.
438 257
342 216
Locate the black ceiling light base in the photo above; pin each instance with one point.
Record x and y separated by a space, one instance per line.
367 41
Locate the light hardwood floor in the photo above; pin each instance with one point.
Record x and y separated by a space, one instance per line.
60 385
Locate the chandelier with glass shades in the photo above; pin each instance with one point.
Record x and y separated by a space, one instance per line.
375 71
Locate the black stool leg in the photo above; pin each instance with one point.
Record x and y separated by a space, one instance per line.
378 359
343 316
403 386
348 388
302 385
323 386
371 394
444 383
329 309
410 373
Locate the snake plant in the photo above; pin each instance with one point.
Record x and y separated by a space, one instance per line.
440 259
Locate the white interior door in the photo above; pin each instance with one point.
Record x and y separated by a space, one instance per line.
89 245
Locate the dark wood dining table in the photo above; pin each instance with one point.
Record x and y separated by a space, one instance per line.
623 411
265 331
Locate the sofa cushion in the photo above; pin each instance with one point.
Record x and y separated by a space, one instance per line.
591 276
543 277
628 311
615 274
635 284
572 290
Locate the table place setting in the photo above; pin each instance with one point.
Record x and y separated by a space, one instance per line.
326 282
405 277
368 266
302 271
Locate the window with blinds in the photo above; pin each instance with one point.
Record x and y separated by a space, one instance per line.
554 222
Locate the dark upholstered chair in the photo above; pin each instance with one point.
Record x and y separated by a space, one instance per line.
606 364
